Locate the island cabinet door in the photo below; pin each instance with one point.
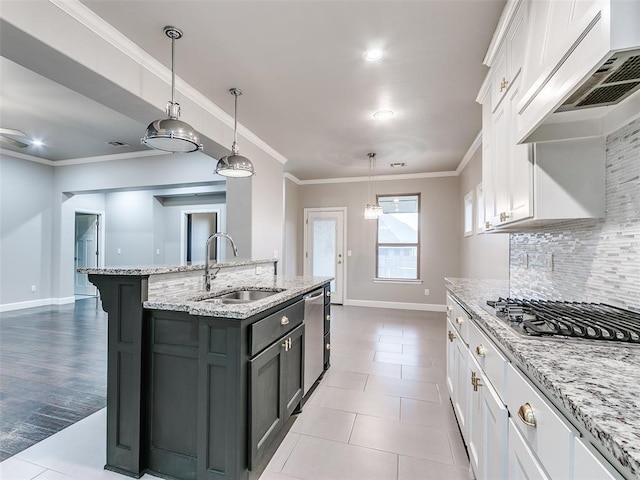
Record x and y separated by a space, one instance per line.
275 389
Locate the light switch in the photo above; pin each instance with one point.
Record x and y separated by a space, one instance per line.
348 253
118 251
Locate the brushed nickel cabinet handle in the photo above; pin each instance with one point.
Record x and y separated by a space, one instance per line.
451 336
328 293
328 317
328 346
284 320
527 415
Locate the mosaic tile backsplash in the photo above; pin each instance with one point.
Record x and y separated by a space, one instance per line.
589 260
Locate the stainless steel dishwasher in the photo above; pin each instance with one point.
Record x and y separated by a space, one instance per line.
313 337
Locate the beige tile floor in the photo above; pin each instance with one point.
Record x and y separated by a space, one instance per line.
382 410
380 413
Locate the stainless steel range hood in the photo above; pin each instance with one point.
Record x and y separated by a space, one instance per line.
616 79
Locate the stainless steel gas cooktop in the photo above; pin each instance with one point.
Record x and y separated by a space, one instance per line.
576 320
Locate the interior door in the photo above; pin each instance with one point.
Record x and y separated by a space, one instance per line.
86 251
324 248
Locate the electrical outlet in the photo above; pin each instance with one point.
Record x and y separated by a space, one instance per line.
157 251
275 254
348 253
33 289
549 262
258 270
426 291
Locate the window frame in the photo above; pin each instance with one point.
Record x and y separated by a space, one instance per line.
417 245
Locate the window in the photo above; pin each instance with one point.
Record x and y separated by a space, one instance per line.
468 214
398 243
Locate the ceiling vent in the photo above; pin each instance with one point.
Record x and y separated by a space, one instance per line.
116 143
616 79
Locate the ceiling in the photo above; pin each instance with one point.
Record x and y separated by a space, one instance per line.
308 92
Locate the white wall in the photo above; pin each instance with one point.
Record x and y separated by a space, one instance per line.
482 255
26 216
440 238
292 230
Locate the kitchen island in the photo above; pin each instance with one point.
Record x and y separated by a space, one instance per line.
595 386
199 384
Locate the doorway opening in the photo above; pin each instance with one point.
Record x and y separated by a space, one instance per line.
197 227
324 241
87 251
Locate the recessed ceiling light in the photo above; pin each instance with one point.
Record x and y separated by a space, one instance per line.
37 143
373 55
382 114
397 165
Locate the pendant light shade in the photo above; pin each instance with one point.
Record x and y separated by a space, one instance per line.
372 211
235 165
172 134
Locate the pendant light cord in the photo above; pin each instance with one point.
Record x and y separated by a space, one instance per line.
173 71
234 147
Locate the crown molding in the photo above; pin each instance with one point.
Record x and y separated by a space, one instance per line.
501 30
25 156
85 16
405 176
470 153
293 178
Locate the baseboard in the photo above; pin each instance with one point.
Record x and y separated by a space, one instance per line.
427 307
41 302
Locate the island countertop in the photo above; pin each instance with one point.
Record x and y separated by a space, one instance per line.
288 288
598 385
162 269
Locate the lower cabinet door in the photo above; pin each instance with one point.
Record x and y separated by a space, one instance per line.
523 465
275 389
293 375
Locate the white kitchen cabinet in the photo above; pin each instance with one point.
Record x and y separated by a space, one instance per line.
458 378
488 418
523 464
589 464
509 57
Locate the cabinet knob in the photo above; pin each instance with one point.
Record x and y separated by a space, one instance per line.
284 320
451 336
487 225
328 293
459 320
527 415
328 317
481 350
449 308
503 84
328 346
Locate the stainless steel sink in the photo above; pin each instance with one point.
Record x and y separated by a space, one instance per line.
241 296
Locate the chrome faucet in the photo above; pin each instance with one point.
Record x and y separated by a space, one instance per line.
212 237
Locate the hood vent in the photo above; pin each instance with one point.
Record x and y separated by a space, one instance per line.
615 80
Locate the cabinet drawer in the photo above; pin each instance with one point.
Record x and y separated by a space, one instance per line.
459 317
266 331
550 438
590 465
327 318
489 358
522 462
327 294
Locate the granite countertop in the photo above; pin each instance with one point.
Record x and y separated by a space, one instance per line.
154 269
598 385
290 287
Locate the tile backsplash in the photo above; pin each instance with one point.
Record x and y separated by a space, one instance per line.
589 260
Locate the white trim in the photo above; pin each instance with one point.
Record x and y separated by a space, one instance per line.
25 156
85 16
473 148
427 307
42 302
293 178
221 225
404 176
397 281
109 157
501 30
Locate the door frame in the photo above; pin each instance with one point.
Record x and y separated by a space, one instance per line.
221 222
305 259
101 238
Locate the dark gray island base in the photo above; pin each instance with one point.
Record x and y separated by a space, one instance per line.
200 396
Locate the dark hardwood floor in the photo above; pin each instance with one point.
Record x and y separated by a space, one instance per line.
53 370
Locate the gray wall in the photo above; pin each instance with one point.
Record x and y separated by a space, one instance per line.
440 236
593 260
482 255
26 218
292 229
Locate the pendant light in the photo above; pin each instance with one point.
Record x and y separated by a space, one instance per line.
172 134
372 211
235 165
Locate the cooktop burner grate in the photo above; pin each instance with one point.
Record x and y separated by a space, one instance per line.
593 321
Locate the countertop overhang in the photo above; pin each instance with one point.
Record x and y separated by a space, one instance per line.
157 270
596 385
